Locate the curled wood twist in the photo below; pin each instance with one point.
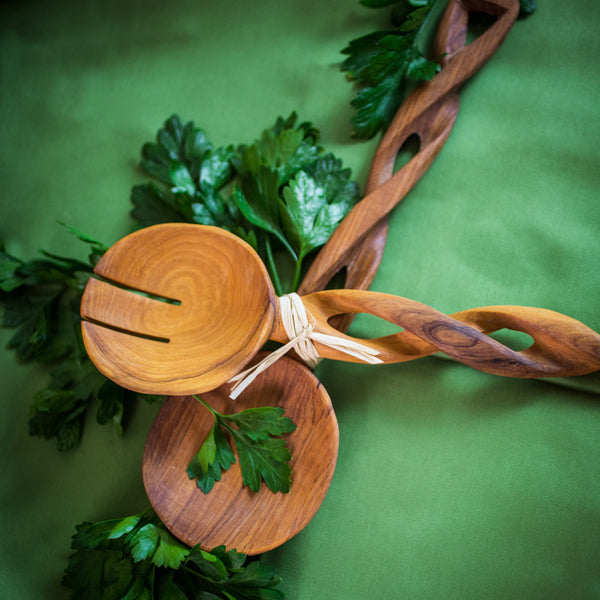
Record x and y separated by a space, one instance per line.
562 346
429 112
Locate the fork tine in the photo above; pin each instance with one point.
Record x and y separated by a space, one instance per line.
148 366
103 302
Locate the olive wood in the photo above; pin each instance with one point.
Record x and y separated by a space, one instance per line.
227 309
231 514
562 346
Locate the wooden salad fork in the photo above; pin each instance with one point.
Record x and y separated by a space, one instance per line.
219 308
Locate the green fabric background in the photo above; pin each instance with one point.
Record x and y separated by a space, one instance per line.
451 484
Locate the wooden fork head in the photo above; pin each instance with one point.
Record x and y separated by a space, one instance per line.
179 309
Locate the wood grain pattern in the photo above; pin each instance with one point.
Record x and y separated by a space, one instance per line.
231 514
563 347
226 308
429 112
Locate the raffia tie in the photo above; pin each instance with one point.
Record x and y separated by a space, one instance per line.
300 331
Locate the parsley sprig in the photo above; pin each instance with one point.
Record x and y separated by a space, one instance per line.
137 557
386 64
262 455
283 193
40 300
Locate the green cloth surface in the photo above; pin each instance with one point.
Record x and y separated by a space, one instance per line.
450 483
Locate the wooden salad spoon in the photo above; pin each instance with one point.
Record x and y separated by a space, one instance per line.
231 514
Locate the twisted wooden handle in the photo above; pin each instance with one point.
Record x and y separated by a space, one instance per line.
429 112
562 346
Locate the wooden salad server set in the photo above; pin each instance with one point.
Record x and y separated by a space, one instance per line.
180 309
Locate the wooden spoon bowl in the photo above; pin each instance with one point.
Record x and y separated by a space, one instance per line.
231 514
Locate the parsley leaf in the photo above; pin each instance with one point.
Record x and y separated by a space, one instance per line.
156 544
192 175
315 202
285 148
382 63
263 458
214 457
261 455
152 206
259 202
137 558
262 422
527 7
253 583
